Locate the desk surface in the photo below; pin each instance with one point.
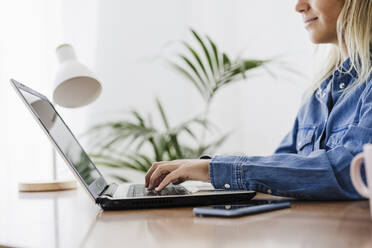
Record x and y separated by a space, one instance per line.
70 219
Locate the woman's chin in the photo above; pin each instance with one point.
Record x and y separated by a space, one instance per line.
316 38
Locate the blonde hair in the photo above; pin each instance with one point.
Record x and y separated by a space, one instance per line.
354 33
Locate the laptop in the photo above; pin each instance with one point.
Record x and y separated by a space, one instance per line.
114 196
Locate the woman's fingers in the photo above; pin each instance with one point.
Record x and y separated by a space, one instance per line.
160 173
163 173
150 171
173 177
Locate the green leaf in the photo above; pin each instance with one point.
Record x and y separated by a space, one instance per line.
188 76
176 145
158 155
215 52
141 165
192 67
201 65
250 64
206 52
115 140
272 74
226 61
188 130
162 114
166 147
138 117
145 158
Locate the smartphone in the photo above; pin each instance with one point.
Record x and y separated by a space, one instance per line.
254 207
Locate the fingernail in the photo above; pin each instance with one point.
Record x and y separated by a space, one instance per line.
157 189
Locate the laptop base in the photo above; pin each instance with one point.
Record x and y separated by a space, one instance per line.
108 203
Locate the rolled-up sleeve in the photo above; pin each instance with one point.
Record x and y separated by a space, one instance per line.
321 175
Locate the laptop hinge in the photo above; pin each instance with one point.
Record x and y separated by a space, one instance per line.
109 190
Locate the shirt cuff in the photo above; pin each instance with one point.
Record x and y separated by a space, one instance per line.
226 172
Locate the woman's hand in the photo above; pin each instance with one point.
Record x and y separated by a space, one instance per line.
177 171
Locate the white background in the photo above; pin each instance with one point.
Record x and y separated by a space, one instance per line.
119 40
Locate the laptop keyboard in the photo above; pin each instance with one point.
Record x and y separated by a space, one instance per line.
138 190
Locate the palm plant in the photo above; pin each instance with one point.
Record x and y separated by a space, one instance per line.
147 143
211 69
208 71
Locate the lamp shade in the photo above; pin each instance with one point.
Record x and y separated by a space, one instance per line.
74 85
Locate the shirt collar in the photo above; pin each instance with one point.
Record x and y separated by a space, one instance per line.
347 68
342 72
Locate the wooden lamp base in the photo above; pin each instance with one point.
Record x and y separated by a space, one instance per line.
41 186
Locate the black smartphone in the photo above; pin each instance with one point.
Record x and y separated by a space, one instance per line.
254 207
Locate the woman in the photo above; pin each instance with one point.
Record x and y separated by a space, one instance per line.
312 161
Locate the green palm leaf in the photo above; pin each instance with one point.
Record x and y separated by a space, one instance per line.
199 61
192 67
211 69
206 52
215 53
188 76
162 114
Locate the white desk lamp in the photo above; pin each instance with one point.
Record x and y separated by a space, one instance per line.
74 86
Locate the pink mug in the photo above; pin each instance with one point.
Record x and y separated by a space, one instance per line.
356 178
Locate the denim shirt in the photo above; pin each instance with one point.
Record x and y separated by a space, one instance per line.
313 159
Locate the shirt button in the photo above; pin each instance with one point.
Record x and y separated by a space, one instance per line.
269 191
342 85
227 186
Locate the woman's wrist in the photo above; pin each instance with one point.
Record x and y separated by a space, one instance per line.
207 159
207 162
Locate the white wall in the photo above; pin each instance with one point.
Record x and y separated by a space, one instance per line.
259 111
119 39
27 54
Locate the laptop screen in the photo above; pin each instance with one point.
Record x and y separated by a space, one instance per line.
64 139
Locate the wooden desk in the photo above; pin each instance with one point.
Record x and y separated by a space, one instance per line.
70 219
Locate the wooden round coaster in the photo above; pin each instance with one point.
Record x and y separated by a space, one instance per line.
55 185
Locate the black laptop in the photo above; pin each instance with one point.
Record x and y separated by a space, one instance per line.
113 196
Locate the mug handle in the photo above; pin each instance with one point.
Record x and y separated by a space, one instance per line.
356 177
